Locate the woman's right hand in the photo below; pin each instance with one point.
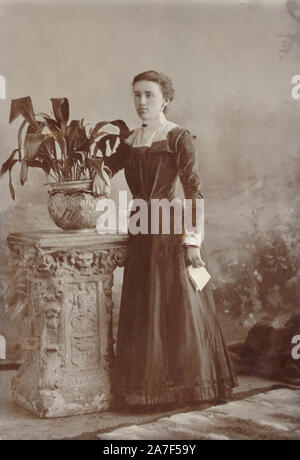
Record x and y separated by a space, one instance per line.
98 186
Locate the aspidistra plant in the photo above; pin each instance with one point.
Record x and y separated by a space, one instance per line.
64 151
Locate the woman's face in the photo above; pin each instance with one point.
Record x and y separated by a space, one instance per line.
148 99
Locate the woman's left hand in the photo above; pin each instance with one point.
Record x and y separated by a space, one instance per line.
193 256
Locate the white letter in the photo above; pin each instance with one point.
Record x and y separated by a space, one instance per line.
166 205
109 215
141 216
123 212
296 349
2 347
198 228
296 89
2 87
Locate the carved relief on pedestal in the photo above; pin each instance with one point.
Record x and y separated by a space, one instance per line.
50 356
50 272
109 259
42 368
38 261
83 325
38 294
70 312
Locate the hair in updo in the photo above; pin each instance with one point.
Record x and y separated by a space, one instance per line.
164 82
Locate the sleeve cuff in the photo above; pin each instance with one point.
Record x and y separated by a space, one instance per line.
192 239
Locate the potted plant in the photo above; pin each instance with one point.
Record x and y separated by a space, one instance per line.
69 153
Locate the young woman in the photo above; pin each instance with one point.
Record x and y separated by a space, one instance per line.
170 346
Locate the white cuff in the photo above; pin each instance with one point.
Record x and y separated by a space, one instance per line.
194 235
192 238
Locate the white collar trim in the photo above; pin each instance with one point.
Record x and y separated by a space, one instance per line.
144 137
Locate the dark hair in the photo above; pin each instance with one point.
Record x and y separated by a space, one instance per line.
164 82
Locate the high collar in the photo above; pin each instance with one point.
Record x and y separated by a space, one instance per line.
155 123
155 131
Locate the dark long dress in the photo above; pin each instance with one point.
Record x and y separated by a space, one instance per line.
169 344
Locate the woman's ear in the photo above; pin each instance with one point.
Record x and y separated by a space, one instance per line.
165 104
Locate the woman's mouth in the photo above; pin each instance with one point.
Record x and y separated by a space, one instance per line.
142 110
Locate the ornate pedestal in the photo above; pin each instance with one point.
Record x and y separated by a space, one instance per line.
69 286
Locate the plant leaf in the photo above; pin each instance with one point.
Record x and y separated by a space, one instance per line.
11 187
112 138
101 145
32 143
95 133
45 158
71 132
24 171
124 130
20 131
61 109
79 156
77 139
53 126
42 114
22 106
95 164
9 163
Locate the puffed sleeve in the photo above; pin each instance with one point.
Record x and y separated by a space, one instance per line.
187 160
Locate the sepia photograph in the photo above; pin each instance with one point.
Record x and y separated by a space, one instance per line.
149 222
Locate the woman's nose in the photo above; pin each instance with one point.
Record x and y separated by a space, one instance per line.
143 99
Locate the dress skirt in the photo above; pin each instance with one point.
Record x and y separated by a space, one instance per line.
170 345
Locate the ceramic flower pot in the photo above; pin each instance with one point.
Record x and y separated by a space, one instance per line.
72 205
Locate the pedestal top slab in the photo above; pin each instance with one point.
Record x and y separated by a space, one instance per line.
59 239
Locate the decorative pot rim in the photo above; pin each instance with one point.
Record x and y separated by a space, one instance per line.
69 181
71 186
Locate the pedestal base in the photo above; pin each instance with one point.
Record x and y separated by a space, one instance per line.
77 399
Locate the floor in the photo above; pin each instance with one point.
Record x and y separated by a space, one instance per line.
271 415
254 400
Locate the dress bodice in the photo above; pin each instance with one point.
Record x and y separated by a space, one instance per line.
152 171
